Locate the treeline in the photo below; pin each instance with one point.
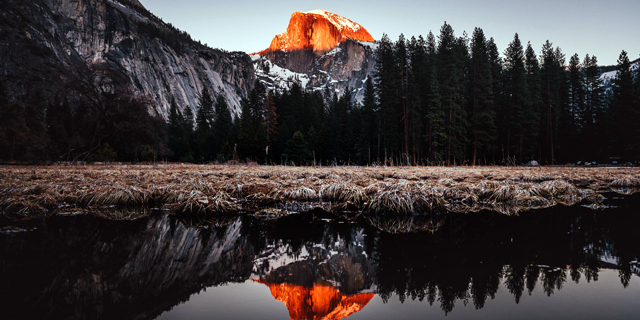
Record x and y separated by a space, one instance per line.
455 100
93 115
292 126
451 100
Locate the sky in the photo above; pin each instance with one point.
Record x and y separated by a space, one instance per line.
602 28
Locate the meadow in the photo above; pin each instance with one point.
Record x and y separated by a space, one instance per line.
127 192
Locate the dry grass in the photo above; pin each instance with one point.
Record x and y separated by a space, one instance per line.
627 181
214 189
303 194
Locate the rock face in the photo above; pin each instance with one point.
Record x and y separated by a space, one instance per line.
319 31
320 50
162 62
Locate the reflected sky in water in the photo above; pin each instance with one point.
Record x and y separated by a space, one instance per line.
247 300
602 299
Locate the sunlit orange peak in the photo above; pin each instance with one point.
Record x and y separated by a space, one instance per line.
319 302
318 30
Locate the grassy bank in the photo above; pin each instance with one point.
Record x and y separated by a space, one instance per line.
111 190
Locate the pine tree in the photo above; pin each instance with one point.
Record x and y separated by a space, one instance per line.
222 126
592 116
514 106
533 105
350 126
367 142
623 119
247 139
252 136
177 139
417 95
404 108
297 149
576 107
191 146
204 118
339 126
554 97
271 119
435 116
497 89
481 111
388 92
204 124
435 136
59 121
452 57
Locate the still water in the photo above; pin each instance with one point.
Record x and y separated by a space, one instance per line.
555 263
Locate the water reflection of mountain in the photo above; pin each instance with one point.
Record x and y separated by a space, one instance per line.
318 301
83 268
87 268
329 277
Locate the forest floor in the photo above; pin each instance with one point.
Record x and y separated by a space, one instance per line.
127 192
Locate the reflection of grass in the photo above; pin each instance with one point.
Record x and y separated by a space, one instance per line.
406 223
206 190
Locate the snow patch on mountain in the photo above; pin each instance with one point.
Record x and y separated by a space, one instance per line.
608 77
274 77
339 21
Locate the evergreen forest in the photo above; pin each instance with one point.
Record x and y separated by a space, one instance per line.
439 100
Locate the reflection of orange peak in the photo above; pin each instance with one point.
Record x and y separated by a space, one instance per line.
317 30
318 302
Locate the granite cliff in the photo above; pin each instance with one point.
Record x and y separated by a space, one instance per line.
42 39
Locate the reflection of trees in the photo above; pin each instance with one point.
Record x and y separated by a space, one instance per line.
471 254
514 281
553 280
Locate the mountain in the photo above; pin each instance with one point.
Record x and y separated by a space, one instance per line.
319 31
44 43
321 51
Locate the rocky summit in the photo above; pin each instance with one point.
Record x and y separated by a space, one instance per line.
319 50
318 31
